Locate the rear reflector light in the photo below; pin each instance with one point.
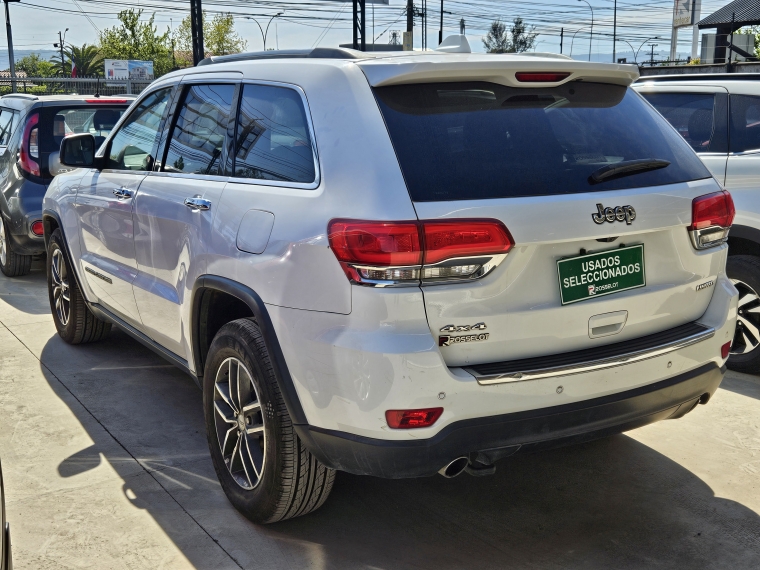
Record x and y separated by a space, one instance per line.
29 152
409 419
711 218
403 253
541 76
725 350
37 228
106 101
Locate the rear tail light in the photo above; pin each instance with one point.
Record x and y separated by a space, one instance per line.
105 101
29 153
711 218
541 76
409 419
37 228
407 253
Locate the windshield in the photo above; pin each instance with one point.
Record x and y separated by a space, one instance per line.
475 140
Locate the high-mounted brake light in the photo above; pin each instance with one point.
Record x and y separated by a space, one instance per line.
29 153
711 218
541 76
386 254
105 101
409 419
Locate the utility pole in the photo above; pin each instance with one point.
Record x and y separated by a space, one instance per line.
360 24
561 38
440 31
196 30
651 60
10 45
614 32
61 40
408 34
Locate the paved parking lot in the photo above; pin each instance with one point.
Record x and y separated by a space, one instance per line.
106 466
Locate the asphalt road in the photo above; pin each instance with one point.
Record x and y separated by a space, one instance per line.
106 466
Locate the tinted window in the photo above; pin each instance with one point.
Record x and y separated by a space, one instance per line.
133 146
272 140
197 141
460 141
8 120
696 116
97 121
745 123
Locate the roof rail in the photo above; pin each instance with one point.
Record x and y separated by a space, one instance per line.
319 53
702 76
22 96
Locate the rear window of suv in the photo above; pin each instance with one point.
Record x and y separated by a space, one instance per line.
477 140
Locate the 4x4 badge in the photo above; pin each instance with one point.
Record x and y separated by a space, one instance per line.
464 328
616 214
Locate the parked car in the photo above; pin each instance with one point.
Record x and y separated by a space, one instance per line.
31 131
6 560
719 116
398 264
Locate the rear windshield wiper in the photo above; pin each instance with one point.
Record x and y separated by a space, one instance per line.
626 168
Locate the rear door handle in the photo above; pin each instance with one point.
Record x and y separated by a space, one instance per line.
122 193
197 203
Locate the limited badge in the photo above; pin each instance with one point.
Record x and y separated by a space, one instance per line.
705 285
447 340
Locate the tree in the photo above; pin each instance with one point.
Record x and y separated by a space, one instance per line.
35 66
87 60
520 37
219 37
136 39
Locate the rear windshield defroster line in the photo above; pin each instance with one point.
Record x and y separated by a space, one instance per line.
477 140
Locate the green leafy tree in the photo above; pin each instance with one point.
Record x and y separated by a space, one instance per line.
219 37
519 38
35 66
87 60
134 38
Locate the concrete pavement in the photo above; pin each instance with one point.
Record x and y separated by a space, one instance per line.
106 466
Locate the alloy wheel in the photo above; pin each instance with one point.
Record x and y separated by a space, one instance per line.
60 284
239 422
3 245
747 335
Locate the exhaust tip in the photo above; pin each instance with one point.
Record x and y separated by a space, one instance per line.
454 468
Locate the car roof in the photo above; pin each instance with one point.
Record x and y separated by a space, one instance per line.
23 100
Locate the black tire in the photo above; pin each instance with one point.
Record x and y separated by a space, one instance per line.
81 326
291 482
744 271
12 264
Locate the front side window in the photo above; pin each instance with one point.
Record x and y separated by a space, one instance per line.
745 123
477 140
133 147
273 140
197 140
698 117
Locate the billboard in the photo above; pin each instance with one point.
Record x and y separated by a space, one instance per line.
129 69
683 13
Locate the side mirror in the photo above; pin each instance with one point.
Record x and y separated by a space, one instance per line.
78 151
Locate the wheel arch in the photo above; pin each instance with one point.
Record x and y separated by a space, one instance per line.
744 240
238 301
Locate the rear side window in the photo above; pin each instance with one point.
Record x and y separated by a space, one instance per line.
273 140
467 141
197 140
99 122
700 118
8 121
745 123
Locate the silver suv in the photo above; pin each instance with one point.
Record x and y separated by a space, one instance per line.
398 264
719 116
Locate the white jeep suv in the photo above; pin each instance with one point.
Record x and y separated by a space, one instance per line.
398 264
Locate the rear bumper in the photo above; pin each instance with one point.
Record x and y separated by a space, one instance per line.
503 435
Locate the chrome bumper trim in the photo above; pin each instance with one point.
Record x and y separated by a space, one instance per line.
591 365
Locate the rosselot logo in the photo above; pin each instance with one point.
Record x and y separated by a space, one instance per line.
616 214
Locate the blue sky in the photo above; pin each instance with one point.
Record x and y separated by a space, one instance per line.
306 23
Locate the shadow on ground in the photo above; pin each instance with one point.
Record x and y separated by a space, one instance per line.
613 503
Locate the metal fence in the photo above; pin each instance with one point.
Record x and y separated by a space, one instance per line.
72 86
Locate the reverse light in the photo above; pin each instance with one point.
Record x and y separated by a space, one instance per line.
29 152
541 76
383 254
37 228
725 350
711 218
410 419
